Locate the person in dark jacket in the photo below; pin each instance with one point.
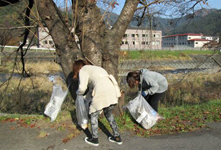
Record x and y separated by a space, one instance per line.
152 85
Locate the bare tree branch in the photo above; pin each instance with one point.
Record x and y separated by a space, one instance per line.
149 4
22 27
125 17
8 2
27 23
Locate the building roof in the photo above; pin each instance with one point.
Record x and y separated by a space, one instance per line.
186 34
141 28
199 40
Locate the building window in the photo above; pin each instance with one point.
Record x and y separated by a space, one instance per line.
133 35
137 35
45 42
143 43
133 42
157 35
143 35
196 42
126 42
122 42
125 35
50 42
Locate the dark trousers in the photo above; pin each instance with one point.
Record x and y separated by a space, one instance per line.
110 119
154 99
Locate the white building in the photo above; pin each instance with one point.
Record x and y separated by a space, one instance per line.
187 40
197 43
45 40
141 39
134 39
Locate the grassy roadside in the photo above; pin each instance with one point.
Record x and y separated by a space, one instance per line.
163 54
177 120
32 94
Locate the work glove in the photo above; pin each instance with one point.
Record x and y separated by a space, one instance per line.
143 94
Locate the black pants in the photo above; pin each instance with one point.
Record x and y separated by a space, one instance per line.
154 99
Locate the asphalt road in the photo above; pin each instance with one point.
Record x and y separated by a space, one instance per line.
27 139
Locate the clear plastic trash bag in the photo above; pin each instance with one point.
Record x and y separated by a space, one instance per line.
54 106
142 112
82 107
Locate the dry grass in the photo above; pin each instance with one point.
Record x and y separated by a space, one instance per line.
27 95
42 67
194 88
30 95
33 68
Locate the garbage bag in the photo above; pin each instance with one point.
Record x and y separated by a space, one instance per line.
82 107
142 112
54 106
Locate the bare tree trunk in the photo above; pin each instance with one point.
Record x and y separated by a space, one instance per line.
66 47
114 36
89 29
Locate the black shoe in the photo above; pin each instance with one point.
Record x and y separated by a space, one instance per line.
92 141
116 139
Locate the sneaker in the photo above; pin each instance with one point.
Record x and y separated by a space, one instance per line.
92 141
116 139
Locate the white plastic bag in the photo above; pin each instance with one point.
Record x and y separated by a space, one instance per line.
142 112
82 111
54 106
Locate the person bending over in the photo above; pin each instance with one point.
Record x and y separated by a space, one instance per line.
104 97
152 85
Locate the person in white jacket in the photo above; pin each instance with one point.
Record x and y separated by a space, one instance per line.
104 92
152 85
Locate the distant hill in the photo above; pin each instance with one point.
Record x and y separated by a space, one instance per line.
204 21
207 22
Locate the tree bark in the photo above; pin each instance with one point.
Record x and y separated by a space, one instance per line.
114 36
89 29
66 48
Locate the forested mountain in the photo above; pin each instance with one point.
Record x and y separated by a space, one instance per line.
207 22
203 21
208 25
